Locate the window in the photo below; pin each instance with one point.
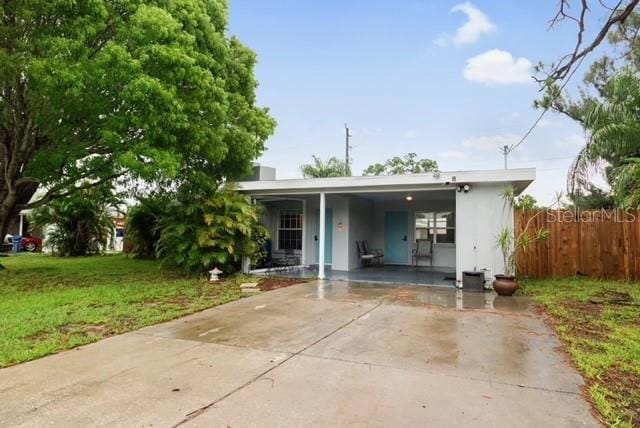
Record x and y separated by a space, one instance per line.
290 230
439 227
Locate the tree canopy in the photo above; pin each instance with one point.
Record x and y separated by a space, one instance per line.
332 167
606 107
95 90
408 164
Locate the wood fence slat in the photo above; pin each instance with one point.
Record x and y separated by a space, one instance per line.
598 244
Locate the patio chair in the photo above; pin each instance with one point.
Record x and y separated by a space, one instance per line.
365 258
423 250
290 258
379 254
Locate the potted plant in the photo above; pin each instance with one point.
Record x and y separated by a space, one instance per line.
509 242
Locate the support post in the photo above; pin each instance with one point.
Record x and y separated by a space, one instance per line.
303 256
321 240
21 224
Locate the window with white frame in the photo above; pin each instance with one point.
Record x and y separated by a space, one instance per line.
438 227
290 230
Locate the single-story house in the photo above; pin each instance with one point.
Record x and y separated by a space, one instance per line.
322 221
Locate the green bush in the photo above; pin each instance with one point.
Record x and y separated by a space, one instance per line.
214 230
79 224
143 225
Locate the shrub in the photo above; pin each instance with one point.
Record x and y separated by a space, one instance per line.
143 225
214 230
79 224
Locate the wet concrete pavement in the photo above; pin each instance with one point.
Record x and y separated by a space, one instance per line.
317 354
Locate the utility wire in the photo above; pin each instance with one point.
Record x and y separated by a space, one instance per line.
541 115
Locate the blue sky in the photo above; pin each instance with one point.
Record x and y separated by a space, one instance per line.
446 79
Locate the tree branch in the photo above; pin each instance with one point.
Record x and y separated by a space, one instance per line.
51 193
617 16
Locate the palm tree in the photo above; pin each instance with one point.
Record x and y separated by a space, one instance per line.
614 143
332 167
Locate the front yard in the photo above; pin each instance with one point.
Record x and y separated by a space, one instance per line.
600 323
49 304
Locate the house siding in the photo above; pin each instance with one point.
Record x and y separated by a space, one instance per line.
483 215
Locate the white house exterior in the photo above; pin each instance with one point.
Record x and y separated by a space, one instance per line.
462 212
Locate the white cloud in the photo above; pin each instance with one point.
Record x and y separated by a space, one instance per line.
453 155
573 140
476 25
498 67
491 142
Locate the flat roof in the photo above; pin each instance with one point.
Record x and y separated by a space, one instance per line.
520 178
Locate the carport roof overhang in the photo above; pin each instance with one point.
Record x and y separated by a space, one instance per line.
519 178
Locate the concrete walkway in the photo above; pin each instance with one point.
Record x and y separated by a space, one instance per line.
318 354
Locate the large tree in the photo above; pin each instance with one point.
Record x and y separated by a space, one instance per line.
606 89
408 164
97 89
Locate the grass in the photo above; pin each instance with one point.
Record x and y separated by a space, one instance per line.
48 304
600 323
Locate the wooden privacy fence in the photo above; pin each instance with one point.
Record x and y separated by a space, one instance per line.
598 244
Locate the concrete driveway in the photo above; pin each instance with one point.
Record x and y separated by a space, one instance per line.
318 354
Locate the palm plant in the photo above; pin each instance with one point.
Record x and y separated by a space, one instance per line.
614 143
210 230
332 167
79 224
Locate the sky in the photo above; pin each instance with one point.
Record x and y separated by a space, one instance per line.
448 80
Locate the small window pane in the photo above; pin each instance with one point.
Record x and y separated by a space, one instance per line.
290 230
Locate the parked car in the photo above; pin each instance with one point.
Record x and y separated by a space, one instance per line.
30 243
27 243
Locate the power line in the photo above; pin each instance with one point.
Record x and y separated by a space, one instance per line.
542 114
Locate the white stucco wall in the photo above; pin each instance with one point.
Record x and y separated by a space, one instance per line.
444 254
481 215
360 227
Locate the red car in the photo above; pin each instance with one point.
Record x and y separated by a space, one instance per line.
31 243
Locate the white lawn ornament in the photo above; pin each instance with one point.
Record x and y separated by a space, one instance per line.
214 274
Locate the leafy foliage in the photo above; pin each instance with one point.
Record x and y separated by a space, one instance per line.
602 100
80 224
525 202
199 233
614 125
332 167
591 197
409 164
143 225
93 90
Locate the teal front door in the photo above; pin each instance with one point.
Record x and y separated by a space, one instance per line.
395 237
328 235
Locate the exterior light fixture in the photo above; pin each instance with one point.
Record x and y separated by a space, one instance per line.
464 188
409 198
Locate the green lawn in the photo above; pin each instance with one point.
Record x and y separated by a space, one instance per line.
48 304
600 323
